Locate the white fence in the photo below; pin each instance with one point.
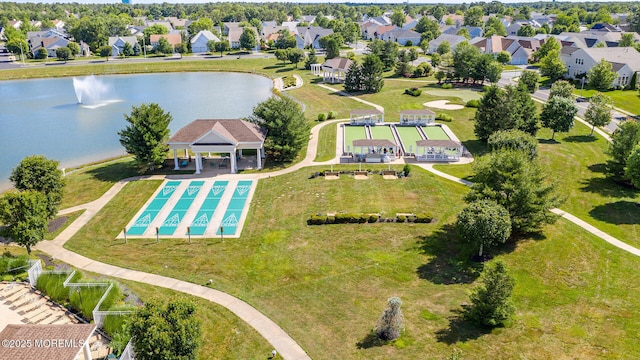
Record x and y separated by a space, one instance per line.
128 354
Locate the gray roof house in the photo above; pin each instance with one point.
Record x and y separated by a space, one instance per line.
117 43
200 40
453 40
309 36
625 62
234 37
402 36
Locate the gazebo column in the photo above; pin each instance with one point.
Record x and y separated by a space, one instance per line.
87 351
186 152
175 159
259 159
233 161
198 167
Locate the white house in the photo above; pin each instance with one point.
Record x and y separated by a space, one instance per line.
117 43
625 61
199 42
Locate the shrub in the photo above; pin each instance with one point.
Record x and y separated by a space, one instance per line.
485 88
331 220
401 218
473 104
406 169
317 220
373 218
11 262
447 86
409 43
444 117
332 115
322 117
413 91
52 285
342 218
424 218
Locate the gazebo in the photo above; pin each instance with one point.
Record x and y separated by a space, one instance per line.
366 117
417 117
376 150
335 70
438 150
218 136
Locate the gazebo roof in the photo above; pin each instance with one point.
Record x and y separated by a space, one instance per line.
235 130
438 143
417 112
366 112
67 338
338 63
374 142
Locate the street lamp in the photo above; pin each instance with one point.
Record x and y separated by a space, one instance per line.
582 88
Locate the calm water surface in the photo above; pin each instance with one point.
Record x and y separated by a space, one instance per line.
44 117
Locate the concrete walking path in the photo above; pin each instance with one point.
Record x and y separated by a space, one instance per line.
590 228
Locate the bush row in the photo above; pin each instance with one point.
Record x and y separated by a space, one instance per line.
444 117
361 218
413 91
329 116
13 268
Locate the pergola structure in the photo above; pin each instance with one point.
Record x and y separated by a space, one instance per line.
417 117
438 150
219 136
377 150
51 342
366 117
334 70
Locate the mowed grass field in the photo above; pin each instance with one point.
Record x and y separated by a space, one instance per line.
327 285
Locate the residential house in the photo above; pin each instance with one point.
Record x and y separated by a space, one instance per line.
402 37
625 62
453 19
58 25
605 27
174 39
376 31
16 24
589 39
200 40
166 24
51 44
117 43
291 25
268 30
269 23
177 23
474 31
46 34
383 20
453 40
228 26
136 30
36 23
234 37
309 36
2 37
308 18
520 48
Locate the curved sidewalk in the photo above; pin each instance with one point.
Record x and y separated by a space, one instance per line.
583 224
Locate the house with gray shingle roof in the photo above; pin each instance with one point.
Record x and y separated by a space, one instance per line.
219 136
309 36
453 40
200 40
117 43
401 36
625 62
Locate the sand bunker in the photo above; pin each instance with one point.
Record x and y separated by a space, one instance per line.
442 104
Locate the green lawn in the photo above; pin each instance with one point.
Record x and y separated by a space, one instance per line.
628 100
327 143
327 290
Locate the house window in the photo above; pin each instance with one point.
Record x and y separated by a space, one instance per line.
580 61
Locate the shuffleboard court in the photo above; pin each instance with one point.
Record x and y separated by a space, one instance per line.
149 214
435 133
352 133
232 215
382 132
176 215
205 214
409 136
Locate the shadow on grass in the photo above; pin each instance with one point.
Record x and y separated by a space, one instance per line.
371 340
598 168
548 141
606 187
285 69
476 147
450 263
317 80
618 213
460 330
274 66
580 138
116 171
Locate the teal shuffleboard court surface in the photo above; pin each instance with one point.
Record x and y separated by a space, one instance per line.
435 133
150 213
176 215
204 215
234 210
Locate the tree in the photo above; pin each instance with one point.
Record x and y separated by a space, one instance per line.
464 32
164 46
435 59
557 114
514 140
146 135
295 56
561 88
623 140
430 29
281 55
493 71
42 175
391 323
204 23
166 331
632 170
601 75
221 46
552 66
353 79
527 30
634 21
372 68
550 44
63 53
440 75
473 16
248 39
443 48
127 49
286 126
285 40
398 18
489 117
484 223
155 29
74 48
491 300
332 49
494 26
24 216
503 57
514 181
530 80
599 111
311 59
520 109
626 40
41 54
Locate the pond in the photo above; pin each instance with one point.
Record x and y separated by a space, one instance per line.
45 117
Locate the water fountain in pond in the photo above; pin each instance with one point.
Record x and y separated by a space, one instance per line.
91 92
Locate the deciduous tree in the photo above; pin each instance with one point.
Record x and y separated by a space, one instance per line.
484 223
332 49
491 300
146 135
24 216
514 140
248 39
43 175
557 114
221 46
295 56
430 29
530 80
562 88
601 75
599 111
286 126
391 322
624 139
552 66
550 44
632 170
